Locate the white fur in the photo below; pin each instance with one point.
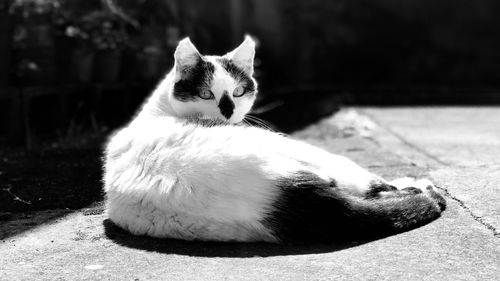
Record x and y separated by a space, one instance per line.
168 178
185 55
424 185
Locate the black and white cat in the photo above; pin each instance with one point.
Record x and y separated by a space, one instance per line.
171 173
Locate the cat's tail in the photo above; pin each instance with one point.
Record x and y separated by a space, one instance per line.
312 210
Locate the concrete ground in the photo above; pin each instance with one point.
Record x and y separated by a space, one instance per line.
458 148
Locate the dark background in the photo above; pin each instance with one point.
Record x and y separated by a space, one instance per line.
73 71
68 65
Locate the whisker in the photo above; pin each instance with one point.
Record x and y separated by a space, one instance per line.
249 121
263 124
258 122
246 122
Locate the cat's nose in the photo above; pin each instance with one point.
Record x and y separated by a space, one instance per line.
226 105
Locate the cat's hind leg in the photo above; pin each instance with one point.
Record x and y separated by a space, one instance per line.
311 208
404 186
430 189
423 185
381 188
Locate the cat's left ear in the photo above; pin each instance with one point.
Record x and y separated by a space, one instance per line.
243 55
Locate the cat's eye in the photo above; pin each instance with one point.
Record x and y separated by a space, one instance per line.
238 92
206 95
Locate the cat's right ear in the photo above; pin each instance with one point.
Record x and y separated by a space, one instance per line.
186 56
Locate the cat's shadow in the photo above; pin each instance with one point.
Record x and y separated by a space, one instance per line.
221 249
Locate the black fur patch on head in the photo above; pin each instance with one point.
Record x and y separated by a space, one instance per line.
237 73
226 106
194 80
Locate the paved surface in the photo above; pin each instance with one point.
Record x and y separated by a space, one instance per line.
456 147
460 147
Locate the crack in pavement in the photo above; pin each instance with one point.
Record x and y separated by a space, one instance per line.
468 210
415 147
423 152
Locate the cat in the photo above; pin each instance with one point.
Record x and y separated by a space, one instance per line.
187 168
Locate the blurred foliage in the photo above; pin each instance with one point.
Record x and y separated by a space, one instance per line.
100 29
39 11
335 42
408 42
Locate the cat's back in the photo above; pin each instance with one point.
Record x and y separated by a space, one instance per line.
171 178
145 149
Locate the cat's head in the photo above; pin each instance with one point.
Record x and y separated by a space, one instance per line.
214 87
